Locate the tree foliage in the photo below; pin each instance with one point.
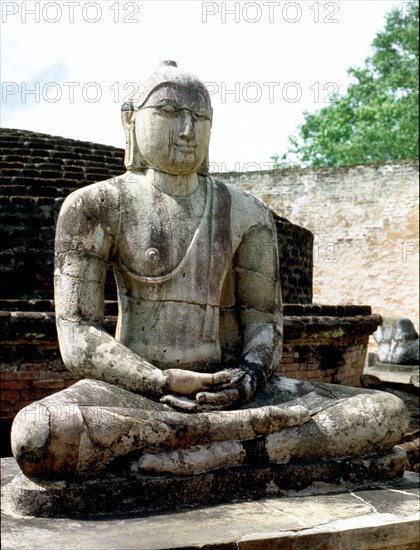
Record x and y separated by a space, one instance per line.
377 119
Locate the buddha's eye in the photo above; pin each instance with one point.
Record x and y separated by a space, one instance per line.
200 116
167 110
172 111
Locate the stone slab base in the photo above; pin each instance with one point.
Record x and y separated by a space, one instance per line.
143 493
372 518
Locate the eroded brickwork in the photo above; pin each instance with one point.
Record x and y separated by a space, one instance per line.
328 362
38 171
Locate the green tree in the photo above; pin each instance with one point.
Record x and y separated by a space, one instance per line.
377 119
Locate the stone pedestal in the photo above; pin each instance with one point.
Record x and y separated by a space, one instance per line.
377 517
140 493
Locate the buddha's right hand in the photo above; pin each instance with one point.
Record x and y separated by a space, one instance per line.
185 382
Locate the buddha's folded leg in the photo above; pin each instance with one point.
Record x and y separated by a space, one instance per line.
345 421
46 435
80 431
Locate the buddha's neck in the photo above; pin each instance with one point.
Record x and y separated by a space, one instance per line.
173 185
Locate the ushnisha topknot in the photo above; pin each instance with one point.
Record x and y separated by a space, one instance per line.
166 73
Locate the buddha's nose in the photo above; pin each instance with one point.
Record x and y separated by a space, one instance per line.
187 126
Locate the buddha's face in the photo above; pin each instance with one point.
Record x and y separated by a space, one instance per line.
173 129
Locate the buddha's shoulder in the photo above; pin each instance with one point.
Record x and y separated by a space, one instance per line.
96 195
98 201
247 206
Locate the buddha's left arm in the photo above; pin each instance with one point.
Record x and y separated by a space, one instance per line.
258 297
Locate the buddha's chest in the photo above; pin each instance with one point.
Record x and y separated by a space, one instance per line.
157 231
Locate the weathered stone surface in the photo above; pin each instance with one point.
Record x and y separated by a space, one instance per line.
332 351
186 384
133 493
374 518
95 427
398 341
187 252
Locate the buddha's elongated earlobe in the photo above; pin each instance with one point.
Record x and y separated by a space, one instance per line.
133 159
204 168
130 152
128 122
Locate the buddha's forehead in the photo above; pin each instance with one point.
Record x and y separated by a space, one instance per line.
191 96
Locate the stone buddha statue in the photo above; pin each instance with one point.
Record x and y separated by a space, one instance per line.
186 383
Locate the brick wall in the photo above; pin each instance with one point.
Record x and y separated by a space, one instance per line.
326 343
296 261
38 171
327 362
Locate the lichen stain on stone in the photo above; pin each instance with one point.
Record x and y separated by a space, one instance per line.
34 335
155 433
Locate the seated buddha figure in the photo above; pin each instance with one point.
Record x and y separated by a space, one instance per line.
186 383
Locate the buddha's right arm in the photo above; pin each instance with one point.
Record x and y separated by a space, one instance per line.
88 350
85 237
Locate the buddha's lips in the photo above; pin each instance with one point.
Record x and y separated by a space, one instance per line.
185 148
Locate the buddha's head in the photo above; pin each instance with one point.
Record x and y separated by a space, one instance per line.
167 123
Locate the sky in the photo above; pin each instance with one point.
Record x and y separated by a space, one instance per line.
67 66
